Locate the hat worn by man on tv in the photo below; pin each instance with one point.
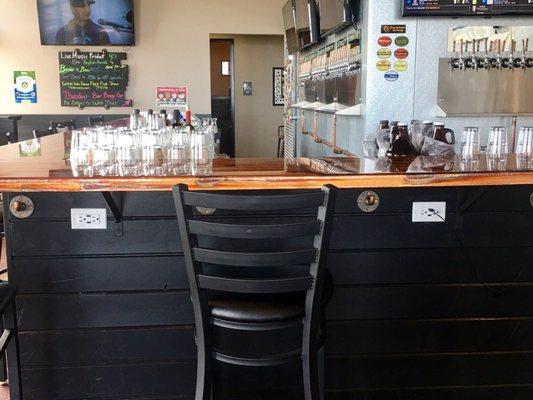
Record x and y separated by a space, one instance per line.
81 3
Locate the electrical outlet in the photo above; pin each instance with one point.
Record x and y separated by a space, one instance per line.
88 218
429 212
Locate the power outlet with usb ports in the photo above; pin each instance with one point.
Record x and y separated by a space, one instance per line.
88 218
429 212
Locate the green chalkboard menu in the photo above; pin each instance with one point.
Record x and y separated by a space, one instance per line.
91 79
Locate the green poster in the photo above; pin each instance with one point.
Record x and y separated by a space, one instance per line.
25 87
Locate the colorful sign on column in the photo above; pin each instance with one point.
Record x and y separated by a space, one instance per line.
393 34
25 86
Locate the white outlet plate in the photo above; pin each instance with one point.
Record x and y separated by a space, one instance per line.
88 218
422 213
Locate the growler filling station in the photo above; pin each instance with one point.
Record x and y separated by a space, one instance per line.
266 199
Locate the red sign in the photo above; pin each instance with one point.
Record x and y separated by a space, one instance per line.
384 41
401 54
167 96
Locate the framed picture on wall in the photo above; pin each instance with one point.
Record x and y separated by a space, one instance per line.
278 85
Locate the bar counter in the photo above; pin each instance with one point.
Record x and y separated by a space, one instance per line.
50 172
420 310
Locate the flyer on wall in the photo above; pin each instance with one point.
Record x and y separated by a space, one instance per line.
171 96
25 87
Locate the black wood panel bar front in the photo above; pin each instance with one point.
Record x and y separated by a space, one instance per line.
440 311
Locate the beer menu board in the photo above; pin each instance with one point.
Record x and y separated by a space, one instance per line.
93 79
466 7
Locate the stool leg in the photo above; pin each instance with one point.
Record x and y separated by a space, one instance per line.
204 371
204 368
13 352
321 372
310 374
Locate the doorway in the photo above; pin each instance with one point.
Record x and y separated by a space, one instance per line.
222 92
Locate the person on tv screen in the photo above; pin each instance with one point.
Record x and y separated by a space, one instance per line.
81 29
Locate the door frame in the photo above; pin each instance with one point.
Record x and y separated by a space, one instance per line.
231 42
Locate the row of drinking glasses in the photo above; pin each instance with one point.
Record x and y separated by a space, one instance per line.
106 151
498 143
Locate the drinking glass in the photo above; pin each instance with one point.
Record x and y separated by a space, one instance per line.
179 152
370 146
105 152
524 144
153 153
203 151
498 144
129 155
428 129
81 153
383 139
470 143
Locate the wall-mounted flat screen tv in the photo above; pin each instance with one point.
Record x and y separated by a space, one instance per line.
307 25
336 15
451 8
290 27
86 22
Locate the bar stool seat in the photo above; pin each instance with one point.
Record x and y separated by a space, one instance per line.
265 309
250 310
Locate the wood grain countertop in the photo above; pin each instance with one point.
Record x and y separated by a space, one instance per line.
49 170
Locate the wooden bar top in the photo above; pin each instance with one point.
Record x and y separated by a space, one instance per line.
48 170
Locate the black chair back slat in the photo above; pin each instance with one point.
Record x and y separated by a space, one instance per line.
256 286
254 203
270 259
233 231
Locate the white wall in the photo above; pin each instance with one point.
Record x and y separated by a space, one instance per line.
172 49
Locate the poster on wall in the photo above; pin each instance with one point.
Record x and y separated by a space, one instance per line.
25 87
277 87
93 79
30 148
171 96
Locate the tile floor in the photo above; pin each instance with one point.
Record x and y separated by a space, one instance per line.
4 393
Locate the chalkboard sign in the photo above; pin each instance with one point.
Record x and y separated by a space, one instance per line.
90 79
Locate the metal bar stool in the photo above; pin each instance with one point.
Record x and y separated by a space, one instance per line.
96 121
60 127
9 339
270 300
281 141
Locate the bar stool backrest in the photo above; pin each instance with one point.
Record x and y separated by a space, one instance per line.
9 129
60 127
95 121
200 253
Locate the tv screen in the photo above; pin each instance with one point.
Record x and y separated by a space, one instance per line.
336 15
86 22
290 27
307 29
467 7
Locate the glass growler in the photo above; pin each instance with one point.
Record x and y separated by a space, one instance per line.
443 134
401 145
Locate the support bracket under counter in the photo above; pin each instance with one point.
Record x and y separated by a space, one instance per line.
114 203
